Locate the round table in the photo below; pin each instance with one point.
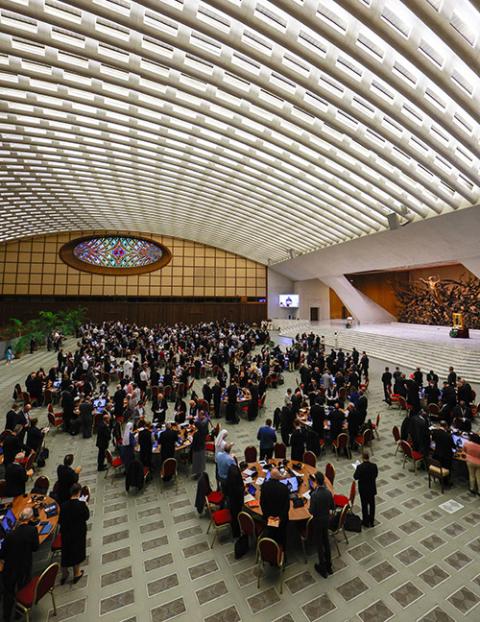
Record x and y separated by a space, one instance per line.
23 501
295 514
185 434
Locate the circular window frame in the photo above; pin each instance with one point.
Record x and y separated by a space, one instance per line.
67 255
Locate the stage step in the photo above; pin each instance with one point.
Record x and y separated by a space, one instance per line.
406 353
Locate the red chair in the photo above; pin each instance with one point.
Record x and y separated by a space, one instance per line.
330 472
36 589
250 454
261 401
41 485
169 471
365 439
280 451
411 454
219 519
113 463
341 500
396 438
309 458
342 442
340 529
271 552
249 526
54 419
375 426
402 402
394 399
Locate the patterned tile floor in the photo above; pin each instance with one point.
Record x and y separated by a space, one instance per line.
149 558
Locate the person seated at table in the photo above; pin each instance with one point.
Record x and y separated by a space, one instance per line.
267 438
297 441
34 436
66 477
145 444
16 559
11 417
73 518
224 460
234 490
443 447
275 503
16 476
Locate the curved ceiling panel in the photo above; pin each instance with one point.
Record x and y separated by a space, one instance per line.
266 128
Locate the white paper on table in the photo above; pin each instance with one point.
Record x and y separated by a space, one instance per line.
355 464
306 495
248 480
297 474
262 463
260 481
248 497
247 472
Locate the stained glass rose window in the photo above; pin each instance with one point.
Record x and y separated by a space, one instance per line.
111 254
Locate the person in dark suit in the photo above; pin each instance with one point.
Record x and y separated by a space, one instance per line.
362 406
337 418
234 492
103 440
145 444
207 391
167 440
317 415
297 442
366 474
275 502
16 555
11 446
73 518
321 507
443 447
253 404
11 417
354 423
66 477
16 477
217 398
231 411
34 436
420 433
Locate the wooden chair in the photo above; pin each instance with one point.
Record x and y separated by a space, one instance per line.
306 534
341 500
411 454
376 425
55 419
35 590
271 552
112 463
309 458
437 472
365 440
169 471
342 442
250 454
396 438
219 519
330 472
340 529
280 451
248 526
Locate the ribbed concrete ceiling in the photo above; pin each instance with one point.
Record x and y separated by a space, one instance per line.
265 128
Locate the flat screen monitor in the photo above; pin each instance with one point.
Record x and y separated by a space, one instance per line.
8 521
291 482
289 301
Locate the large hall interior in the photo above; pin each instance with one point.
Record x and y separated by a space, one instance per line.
239 310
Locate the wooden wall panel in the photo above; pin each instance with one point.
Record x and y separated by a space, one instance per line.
144 312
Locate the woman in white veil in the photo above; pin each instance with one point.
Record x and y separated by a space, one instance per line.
220 441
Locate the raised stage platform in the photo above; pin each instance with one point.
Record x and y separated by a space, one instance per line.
407 345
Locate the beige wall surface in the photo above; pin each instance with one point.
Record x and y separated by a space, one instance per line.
32 266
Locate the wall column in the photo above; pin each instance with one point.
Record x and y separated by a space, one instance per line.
362 308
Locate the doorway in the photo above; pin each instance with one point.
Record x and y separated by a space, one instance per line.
314 314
